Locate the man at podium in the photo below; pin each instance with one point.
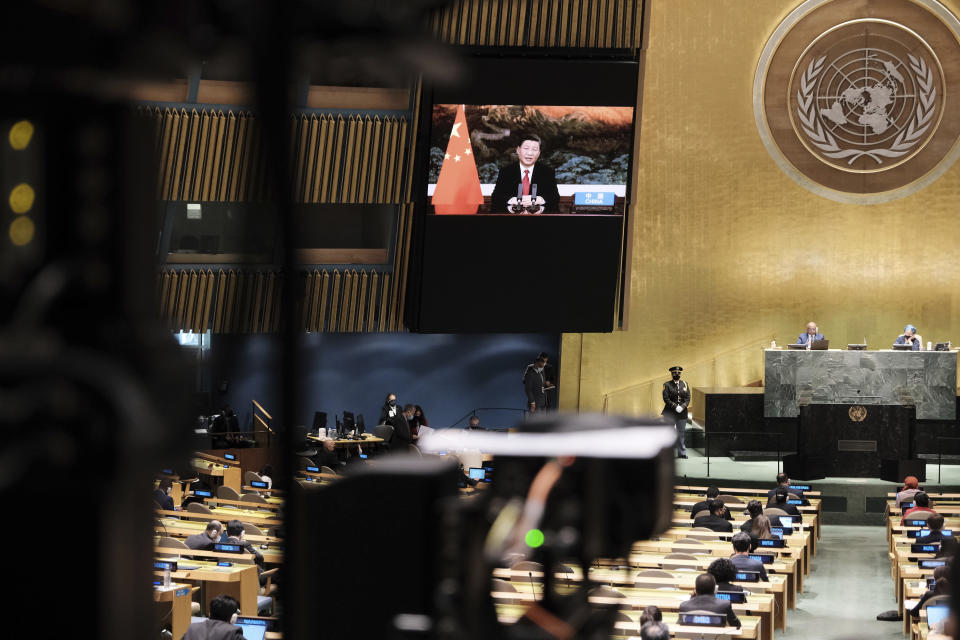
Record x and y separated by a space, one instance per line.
811 335
909 336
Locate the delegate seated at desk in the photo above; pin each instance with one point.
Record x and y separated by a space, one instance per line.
706 600
909 336
811 335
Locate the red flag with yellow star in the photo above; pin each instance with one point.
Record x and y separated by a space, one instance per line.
458 186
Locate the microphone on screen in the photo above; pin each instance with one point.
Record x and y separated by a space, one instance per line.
533 587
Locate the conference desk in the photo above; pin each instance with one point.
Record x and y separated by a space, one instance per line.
924 379
765 598
239 581
511 613
347 442
177 598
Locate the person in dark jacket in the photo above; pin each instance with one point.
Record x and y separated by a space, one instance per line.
712 493
419 420
220 625
715 521
204 541
741 559
390 409
941 587
706 600
780 502
402 437
724 573
161 495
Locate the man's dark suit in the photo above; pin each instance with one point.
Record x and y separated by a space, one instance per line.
401 433
714 523
161 498
804 337
703 506
199 542
713 605
210 629
510 178
746 563
533 383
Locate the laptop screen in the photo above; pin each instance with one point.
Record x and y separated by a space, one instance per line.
936 613
477 473
253 631
786 521
764 558
732 596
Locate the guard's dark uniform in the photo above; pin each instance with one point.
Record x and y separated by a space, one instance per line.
676 393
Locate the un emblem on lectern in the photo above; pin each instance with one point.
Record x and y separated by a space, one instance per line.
850 96
857 413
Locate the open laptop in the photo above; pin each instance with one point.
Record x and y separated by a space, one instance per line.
937 613
902 347
820 345
253 631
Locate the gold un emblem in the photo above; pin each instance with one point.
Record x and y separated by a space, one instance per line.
850 97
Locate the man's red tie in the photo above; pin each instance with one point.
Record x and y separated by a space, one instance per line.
526 182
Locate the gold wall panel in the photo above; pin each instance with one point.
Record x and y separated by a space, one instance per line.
727 249
597 24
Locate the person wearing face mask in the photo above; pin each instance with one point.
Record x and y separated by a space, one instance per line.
521 177
390 409
534 383
676 398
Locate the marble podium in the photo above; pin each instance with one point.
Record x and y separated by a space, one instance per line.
924 379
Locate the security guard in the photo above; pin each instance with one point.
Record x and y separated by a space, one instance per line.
676 398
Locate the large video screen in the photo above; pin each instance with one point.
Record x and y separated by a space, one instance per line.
522 192
529 159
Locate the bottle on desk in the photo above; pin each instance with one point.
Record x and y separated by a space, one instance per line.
929 345
166 577
773 344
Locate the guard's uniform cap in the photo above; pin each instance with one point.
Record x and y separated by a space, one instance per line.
672 369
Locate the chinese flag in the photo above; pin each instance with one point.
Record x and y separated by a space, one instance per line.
458 187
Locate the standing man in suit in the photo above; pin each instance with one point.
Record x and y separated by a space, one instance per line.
534 383
402 436
910 337
676 399
706 600
522 176
812 333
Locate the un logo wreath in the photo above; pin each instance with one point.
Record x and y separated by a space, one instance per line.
821 137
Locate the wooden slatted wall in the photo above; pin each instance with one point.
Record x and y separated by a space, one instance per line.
599 24
235 301
208 155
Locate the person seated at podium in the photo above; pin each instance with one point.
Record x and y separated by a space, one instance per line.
920 509
910 486
724 573
909 336
715 521
812 333
220 623
705 599
520 178
741 556
941 587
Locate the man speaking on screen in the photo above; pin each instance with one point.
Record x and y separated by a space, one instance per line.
526 186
